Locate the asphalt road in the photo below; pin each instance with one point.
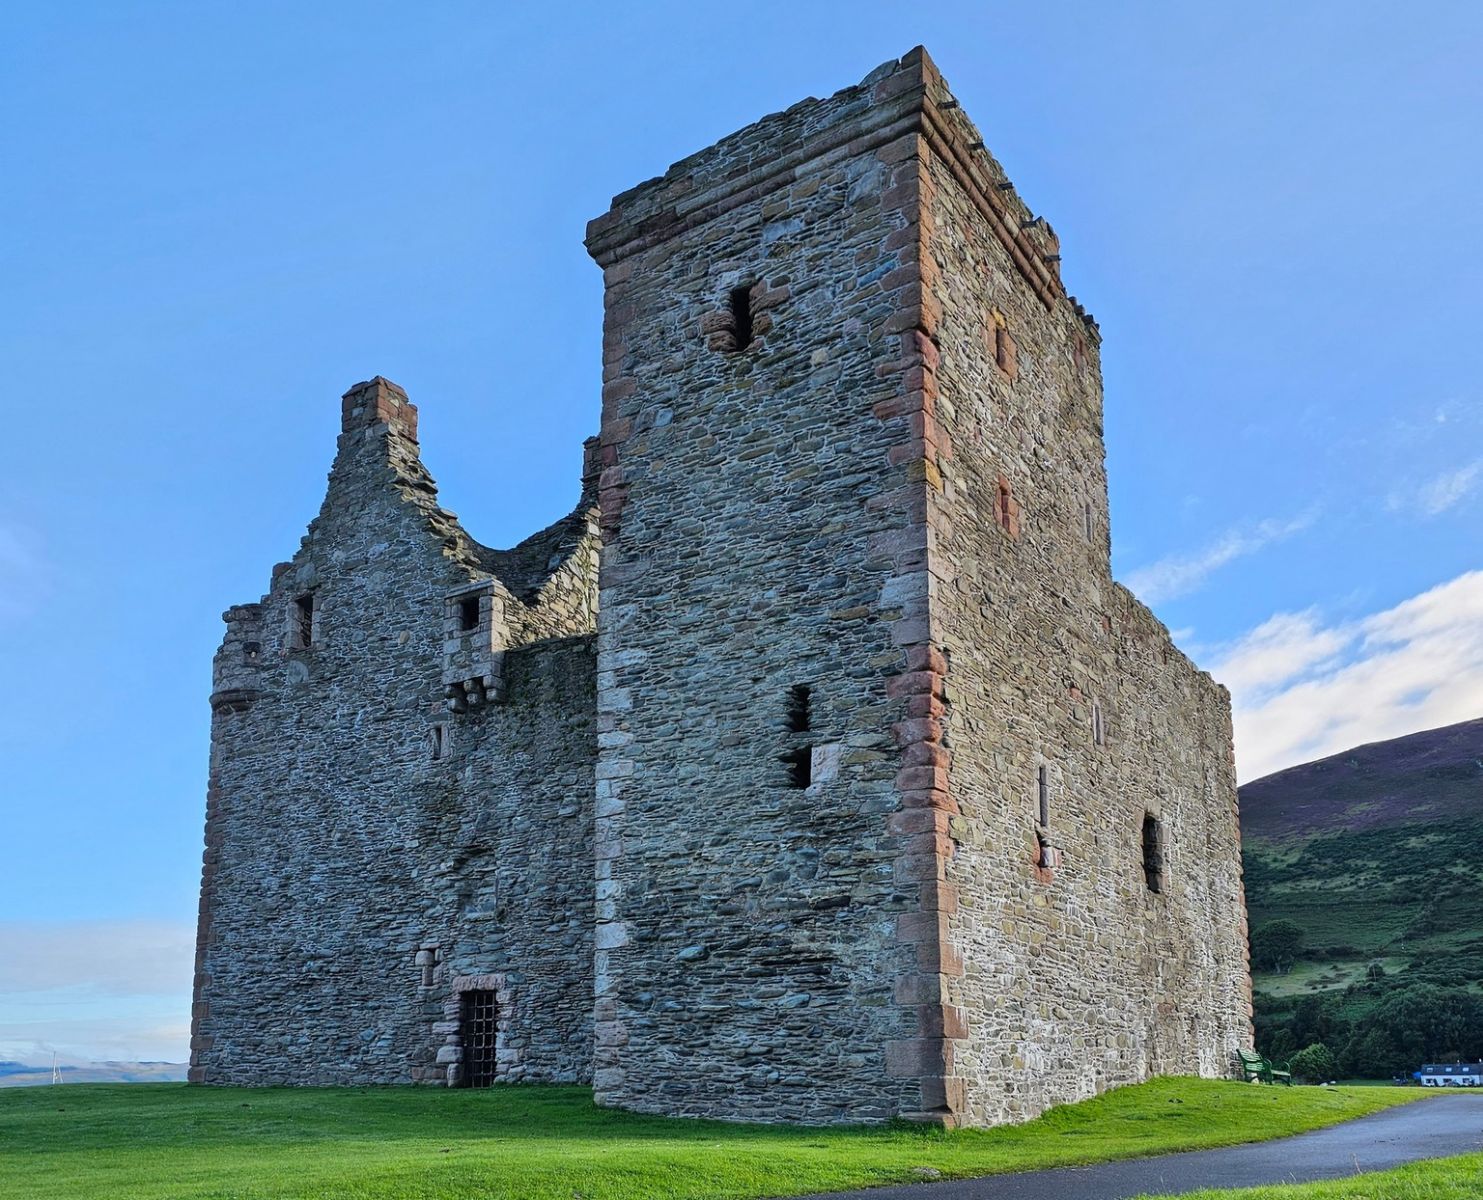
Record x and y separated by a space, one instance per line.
1433 1127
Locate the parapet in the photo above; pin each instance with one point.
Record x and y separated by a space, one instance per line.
902 99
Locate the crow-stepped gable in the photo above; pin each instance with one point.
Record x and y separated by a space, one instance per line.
814 768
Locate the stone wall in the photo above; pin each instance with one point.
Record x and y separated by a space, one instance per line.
892 493
864 793
760 536
369 852
1077 974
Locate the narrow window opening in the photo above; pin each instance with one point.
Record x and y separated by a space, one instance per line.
1099 727
741 317
304 621
439 737
479 1021
1042 794
1153 853
800 713
800 764
1086 519
468 613
1004 507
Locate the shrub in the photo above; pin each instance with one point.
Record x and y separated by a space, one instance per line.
1314 1064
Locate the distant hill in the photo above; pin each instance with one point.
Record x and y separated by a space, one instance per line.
1373 854
15 1074
1436 775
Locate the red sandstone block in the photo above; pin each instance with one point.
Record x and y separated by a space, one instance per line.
619 389
917 820
924 706
926 754
908 732
909 1058
941 1020
615 430
912 683
918 868
914 778
938 896
901 277
947 1093
929 798
926 658
941 957
920 927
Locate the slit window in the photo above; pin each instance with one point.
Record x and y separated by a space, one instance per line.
1042 796
1099 726
741 318
303 616
1153 853
800 714
1086 519
800 764
439 737
468 613
479 1018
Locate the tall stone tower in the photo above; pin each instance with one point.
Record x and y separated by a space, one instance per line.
903 806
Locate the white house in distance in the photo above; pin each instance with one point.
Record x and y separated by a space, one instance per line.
1451 1075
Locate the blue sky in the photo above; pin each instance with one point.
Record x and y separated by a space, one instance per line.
214 218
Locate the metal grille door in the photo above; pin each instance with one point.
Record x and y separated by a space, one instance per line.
479 1018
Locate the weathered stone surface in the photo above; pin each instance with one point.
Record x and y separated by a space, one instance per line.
842 817
366 847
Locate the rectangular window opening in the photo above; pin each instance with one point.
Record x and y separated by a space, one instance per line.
479 1017
1042 791
800 764
304 621
1099 727
439 735
1153 853
741 317
800 714
251 653
1086 516
468 613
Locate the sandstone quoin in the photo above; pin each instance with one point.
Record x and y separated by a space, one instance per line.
814 768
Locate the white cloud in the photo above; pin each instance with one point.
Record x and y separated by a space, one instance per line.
1179 575
95 990
1438 494
1448 490
1302 689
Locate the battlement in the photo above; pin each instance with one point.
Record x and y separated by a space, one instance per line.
902 99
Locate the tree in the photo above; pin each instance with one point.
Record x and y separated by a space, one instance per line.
1275 945
1314 1064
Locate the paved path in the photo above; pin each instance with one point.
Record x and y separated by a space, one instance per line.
1433 1127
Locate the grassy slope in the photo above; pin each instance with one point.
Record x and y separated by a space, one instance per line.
132 1142
1441 1179
1370 851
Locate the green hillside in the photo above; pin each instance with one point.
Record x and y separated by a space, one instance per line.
1373 856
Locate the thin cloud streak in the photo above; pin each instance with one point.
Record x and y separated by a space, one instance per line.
1178 575
1302 689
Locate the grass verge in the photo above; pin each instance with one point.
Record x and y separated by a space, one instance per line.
171 1142
1458 1178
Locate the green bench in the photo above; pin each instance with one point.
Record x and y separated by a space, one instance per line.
1255 1068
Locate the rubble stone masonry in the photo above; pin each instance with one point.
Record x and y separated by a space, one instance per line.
873 794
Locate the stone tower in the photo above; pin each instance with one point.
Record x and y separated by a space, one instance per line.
814 768
903 806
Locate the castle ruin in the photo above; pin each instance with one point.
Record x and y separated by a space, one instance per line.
814 768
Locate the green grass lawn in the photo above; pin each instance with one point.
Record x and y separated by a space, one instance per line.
153 1141
1441 1179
